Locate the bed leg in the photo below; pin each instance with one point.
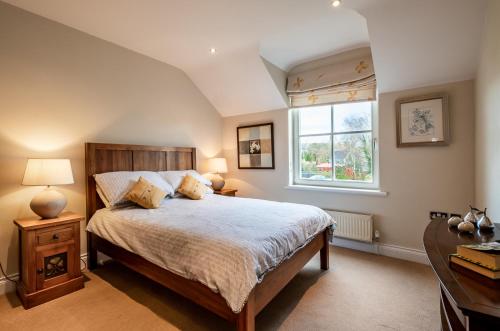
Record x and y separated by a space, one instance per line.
246 318
324 252
91 253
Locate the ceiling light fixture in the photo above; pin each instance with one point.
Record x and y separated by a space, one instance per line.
213 51
336 3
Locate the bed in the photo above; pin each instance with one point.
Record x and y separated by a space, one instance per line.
196 277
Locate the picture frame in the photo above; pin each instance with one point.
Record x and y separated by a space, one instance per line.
423 121
255 146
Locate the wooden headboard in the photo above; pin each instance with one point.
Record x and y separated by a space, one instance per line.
101 158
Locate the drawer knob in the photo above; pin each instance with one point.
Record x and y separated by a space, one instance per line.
55 236
39 271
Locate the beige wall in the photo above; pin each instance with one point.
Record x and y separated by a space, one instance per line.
418 179
488 116
60 87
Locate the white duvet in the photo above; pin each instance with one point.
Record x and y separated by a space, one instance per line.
226 243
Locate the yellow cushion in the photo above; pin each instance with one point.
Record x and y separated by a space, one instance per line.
192 188
145 194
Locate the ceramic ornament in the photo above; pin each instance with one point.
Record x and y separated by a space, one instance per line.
485 223
454 221
466 226
472 216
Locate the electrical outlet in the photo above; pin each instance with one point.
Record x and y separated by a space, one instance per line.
377 235
438 214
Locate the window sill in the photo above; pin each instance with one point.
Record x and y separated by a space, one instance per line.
343 190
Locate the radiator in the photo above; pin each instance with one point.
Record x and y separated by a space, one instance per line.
353 226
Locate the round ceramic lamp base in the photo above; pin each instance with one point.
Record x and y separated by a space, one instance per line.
48 203
217 182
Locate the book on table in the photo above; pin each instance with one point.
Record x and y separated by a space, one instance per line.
492 273
487 254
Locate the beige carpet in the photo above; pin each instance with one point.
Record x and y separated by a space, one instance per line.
360 292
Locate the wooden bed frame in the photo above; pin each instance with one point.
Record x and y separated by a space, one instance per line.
101 158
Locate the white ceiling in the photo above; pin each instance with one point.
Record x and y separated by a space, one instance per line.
414 42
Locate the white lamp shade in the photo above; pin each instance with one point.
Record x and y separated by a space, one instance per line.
217 165
48 172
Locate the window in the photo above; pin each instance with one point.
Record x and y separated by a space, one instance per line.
334 145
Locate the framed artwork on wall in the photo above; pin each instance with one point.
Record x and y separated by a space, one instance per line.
255 146
423 121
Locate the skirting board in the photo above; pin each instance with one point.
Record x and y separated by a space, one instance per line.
8 286
398 252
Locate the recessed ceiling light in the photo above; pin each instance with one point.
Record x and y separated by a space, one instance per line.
336 3
213 51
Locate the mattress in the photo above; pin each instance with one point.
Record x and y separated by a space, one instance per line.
226 243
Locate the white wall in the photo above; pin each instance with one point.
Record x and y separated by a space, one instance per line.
488 116
418 179
60 88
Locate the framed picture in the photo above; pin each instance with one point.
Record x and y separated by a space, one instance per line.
423 121
255 146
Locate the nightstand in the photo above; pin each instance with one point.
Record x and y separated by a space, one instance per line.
227 192
49 258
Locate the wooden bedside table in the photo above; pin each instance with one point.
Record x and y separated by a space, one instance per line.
49 258
227 191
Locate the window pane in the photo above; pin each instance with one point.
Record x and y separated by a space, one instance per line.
352 116
353 157
314 120
315 158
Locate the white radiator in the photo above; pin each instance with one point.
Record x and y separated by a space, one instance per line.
353 226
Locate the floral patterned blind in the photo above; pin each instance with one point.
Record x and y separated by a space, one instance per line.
349 77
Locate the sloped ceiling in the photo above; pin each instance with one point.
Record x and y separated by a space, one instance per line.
414 43
424 42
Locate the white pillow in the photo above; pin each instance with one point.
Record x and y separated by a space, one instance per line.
115 185
102 196
174 177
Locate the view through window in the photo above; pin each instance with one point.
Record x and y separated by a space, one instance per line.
334 144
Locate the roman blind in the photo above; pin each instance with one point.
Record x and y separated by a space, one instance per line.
348 76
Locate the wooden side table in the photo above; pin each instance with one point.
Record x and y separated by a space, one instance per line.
49 258
227 192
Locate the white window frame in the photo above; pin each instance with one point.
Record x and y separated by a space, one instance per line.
295 153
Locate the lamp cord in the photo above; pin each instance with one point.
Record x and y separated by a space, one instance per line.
15 281
85 263
5 275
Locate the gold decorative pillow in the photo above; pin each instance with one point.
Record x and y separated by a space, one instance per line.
146 194
192 188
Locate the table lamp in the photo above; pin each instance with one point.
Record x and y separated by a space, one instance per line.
49 202
217 166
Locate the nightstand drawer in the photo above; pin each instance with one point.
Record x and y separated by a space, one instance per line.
54 235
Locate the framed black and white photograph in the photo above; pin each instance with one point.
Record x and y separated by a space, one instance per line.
423 121
255 146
